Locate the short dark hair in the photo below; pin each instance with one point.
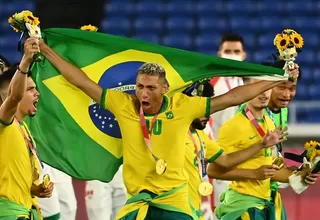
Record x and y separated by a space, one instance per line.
232 37
7 75
152 69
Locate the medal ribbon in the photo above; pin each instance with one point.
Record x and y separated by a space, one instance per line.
200 158
279 146
146 135
30 144
254 122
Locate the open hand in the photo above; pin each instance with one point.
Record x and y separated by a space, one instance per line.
275 137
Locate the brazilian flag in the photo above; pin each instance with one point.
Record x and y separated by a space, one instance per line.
77 136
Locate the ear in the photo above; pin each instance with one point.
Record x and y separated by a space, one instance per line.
165 88
244 55
219 53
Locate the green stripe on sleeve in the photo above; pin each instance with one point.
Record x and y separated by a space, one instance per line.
208 107
214 157
103 98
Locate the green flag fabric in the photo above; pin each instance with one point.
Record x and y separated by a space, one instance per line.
75 135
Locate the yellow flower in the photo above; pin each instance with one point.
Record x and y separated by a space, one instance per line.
282 41
89 28
288 31
29 18
297 40
311 144
18 16
13 24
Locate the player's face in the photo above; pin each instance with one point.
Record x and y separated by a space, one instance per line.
283 94
232 50
150 91
28 104
200 123
262 100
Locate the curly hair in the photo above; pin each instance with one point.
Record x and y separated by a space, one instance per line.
152 69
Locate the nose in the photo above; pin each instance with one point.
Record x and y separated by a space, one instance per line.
286 93
37 93
144 93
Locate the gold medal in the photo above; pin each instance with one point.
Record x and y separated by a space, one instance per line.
161 166
205 189
278 161
46 181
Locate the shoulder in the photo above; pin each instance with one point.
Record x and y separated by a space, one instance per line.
180 98
238 120
269 121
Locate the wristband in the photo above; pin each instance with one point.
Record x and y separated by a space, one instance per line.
25 73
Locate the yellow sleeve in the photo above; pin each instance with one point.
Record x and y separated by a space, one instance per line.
198 106
213 149
113 100
227 137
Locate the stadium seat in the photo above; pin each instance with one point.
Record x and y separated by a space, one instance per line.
178 8
179 23
115 8
147 24
149 8
314 92
207 41
153 38
116 25
212 23
179 40
247 7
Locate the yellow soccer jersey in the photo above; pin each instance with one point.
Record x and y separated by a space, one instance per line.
15 166
167 139
211 151
238 133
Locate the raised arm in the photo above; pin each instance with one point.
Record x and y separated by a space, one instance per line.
72 74
18 84
240 94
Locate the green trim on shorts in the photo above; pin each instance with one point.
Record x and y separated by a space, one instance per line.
53 217
103 98
208 107
6 123
214 157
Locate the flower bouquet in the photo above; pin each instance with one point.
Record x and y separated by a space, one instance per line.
28 25
311 164
288 43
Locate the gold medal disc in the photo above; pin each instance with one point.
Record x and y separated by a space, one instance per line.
46 181
161 166
278 161
205 189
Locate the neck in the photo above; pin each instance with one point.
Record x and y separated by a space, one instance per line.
273 107
19 116
257 113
